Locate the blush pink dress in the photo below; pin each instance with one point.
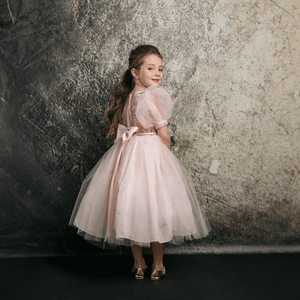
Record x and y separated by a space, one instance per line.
139 192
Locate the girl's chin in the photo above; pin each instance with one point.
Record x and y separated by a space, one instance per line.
154 84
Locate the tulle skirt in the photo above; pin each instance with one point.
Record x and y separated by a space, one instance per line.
138 193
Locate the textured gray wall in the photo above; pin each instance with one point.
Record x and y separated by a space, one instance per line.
232 69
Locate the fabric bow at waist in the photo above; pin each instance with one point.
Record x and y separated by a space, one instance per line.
125 133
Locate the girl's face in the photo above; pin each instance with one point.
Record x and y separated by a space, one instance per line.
149 74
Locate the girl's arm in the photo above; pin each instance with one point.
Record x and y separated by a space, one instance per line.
164 134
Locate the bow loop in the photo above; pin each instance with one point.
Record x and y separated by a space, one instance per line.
125 133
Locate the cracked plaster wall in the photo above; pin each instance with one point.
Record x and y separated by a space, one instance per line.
232 70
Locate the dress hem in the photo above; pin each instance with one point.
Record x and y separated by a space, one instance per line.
128 242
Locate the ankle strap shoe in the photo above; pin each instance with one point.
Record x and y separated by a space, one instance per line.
157 274
139 272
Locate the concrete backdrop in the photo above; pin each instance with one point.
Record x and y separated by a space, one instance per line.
232 69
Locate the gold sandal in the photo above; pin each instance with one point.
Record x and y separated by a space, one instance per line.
139 272
157 274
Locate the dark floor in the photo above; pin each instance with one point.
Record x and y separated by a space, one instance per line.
213 277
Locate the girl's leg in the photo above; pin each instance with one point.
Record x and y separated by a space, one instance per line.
137 252
157 250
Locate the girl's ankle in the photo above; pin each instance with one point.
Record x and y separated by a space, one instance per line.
142 264
159 266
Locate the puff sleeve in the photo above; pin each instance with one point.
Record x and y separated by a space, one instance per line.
154 107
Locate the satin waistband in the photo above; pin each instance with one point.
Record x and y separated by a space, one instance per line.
144 133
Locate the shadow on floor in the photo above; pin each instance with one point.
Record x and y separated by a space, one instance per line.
211 277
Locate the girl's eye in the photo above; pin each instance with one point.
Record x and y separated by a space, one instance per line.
150 69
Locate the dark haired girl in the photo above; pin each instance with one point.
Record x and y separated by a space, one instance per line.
139 194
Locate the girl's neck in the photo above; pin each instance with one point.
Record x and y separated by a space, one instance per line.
137 89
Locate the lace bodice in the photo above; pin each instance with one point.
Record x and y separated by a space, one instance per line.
129 113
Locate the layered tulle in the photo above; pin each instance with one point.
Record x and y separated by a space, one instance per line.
138 193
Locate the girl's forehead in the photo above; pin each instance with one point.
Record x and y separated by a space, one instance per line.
152 59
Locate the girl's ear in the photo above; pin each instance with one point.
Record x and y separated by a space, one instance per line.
134 73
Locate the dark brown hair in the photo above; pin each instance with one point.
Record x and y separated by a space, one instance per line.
124 88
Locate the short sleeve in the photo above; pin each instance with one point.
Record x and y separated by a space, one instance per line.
154 107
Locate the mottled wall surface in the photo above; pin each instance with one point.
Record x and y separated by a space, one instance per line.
232 69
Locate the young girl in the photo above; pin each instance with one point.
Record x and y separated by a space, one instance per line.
139 193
